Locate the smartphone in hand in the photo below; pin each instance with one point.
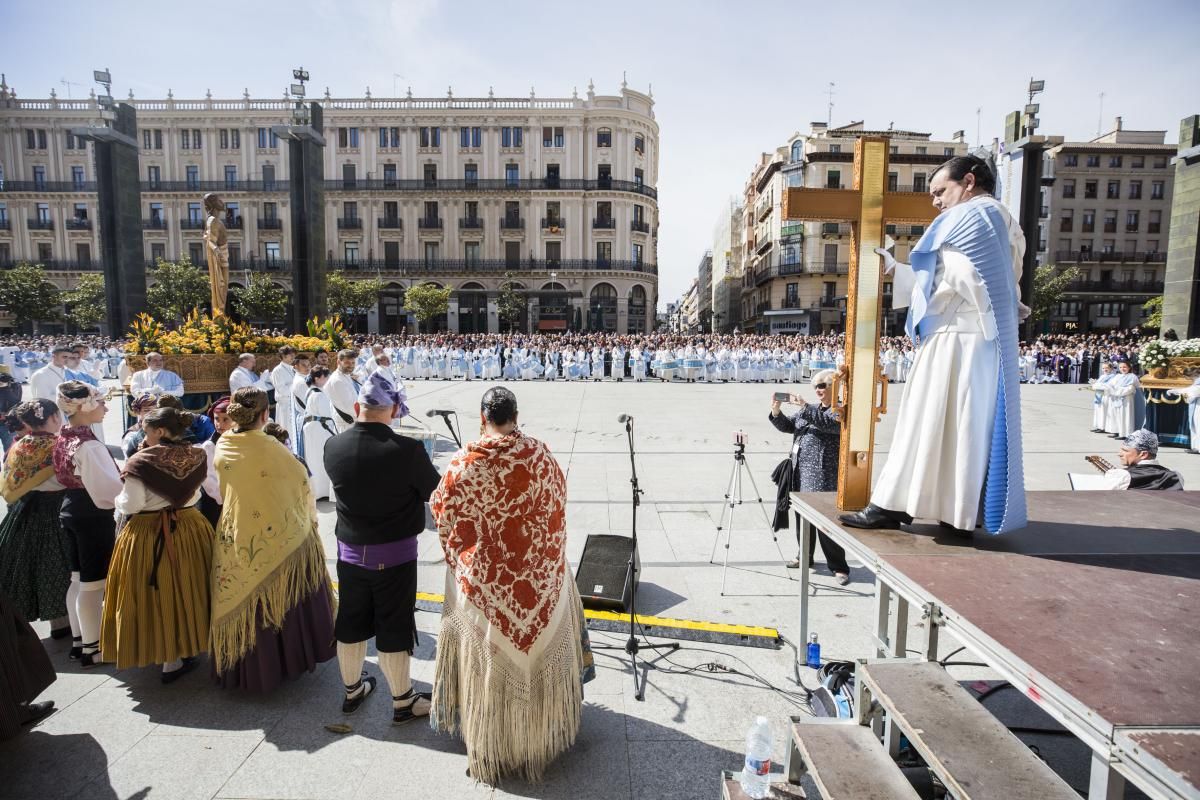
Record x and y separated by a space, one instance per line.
783 397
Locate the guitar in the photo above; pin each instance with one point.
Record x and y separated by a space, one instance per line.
1098 462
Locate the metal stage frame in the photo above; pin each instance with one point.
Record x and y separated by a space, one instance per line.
1098 591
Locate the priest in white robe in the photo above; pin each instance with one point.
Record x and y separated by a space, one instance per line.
342 390
155 380
1128 401
243 375
958 436
281 378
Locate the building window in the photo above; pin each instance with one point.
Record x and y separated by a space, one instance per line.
146 140
922 151
389 175
1071 160
1154 224
193 176
429 173
195 213
1068 189
947 151
1110 221
39 177
1132 220
1114 190
73 143
430 137
1114 161
1137 162
552 137
1089 190
893 150
224 139
268 177
270 212
512 174
350 210
351 251
1067 221
639 178
604 137
553 253
603 253
470 137
153 176
637 254
833 179
789 255
271 252
835 148
893 182
1135 190
185 140
1088 221
919 181
348 138
471 173
77 177
471 250
230 177
797 151
267 139
156 214
389 138
43 213
431 254
1156 190
1093 161
639 144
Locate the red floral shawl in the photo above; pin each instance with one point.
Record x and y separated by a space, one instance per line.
69 440
500 510
174 470
30 463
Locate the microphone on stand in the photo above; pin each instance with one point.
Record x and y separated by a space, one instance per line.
433 412
445 413
625 418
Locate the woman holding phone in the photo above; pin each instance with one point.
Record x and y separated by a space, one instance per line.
816 432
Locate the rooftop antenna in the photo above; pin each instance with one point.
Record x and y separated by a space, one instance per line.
829 121
69 84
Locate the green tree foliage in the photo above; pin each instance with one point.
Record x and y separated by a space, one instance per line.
86 303
1049 284
427 301
511 304
261 301
1154 317
28 296
352 298
179 286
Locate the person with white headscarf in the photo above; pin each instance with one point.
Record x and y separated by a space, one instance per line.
1139 466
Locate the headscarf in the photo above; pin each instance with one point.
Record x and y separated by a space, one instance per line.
378 391
1143 441
73 405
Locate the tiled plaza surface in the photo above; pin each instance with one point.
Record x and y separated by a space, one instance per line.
121 734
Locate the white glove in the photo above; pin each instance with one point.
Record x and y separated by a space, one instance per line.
1173 392
889 261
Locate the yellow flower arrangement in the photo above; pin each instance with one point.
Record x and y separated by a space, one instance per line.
201 334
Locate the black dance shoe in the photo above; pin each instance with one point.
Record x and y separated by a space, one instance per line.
874 517
355 695
189 664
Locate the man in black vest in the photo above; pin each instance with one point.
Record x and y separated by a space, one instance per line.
1140 468
381 481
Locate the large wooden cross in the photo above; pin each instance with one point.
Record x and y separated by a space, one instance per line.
860 392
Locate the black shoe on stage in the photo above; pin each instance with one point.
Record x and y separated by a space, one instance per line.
32 713
350 703
957 531
875 517
418 705
60 633
189 664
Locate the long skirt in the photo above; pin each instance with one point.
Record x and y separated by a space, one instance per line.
25 669
157 599
34 568
304 640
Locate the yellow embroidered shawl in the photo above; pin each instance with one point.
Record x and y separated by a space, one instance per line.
29 464
268 553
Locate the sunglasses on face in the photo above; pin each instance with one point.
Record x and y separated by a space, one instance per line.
821 386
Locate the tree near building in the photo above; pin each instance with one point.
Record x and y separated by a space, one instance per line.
1049 284
262 300
352 299
179 287
28 296
510 305
86 303
1153 308
427 301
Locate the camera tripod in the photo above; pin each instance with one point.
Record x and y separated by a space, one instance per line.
733 499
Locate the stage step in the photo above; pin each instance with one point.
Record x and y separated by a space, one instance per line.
971 751
846 761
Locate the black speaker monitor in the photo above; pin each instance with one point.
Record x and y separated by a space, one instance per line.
603 574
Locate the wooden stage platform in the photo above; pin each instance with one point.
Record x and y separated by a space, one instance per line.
1093 611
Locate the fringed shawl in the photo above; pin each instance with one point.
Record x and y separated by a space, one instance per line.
510 658
268 555
174 470
68 442
29 464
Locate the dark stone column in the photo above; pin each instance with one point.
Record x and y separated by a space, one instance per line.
307 185
1181 295
118 186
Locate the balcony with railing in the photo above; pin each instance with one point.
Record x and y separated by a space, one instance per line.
429 223
47 186
488 185
553 223
604 223
512 223
1116 287
835 229
904 230
36 224
761 307
1110 227
270 224
639 226
470 223
390 223
234 223
349 223
1119 257
58 264
154 224
424 266
5 225
791 233
191 224
79 224
831 268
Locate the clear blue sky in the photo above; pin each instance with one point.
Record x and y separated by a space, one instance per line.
731 79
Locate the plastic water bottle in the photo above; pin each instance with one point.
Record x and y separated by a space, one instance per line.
813 657
756 772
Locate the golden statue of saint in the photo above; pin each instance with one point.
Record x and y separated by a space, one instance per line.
216 250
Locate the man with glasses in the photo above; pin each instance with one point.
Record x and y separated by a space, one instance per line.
155 380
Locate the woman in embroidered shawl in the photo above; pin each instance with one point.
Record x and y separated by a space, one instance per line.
272 608
34 570
511 656
158 581
84 466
